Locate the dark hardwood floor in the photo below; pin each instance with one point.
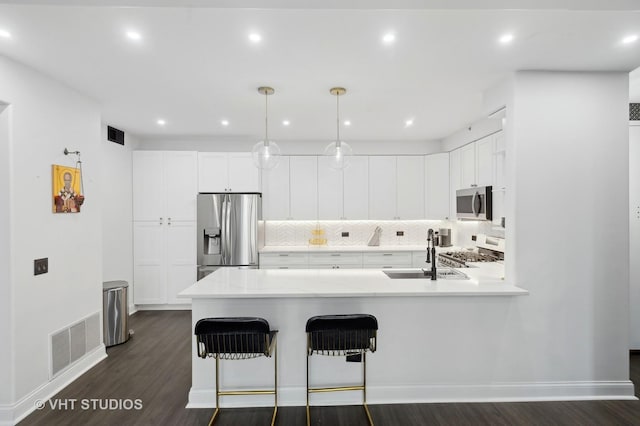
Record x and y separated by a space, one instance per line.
155 367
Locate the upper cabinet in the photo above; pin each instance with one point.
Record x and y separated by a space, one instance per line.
485 153
382 187
410 189
330 191
436 186
227 172
275 191
164 185
303 181
396 187
356 188
468 166
475 163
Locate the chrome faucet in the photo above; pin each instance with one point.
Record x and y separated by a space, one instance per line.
431 254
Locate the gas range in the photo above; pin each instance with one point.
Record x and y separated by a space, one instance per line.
489 249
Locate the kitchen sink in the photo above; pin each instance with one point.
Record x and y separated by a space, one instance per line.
442 273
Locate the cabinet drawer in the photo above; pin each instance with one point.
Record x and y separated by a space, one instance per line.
283 259
303 266
388 259
385 266
335 259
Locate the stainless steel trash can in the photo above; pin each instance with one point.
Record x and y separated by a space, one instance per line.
115 311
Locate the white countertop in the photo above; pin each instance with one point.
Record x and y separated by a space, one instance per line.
320 249
274 283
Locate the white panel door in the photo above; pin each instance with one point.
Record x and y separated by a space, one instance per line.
330 191
356 189
148 186
436 195
213 172
244 176
468 166
303 183
275 191
454 179
149 276
382 187
485 149
181 258
181 184
410 199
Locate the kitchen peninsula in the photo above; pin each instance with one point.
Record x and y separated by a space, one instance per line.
433 336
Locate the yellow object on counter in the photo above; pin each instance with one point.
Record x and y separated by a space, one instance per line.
317 237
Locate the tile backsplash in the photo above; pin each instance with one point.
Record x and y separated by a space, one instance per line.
394 232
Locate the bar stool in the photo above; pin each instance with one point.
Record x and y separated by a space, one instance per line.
338 335
238 338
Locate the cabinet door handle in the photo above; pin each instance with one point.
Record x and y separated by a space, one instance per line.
283 255
387 254
387 267
283 267
335 254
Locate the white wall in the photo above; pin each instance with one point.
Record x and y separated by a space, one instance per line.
568 228
634 233
290 147
47 117
6 309
117 213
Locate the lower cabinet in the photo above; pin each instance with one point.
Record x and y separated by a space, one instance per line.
164 261
337 260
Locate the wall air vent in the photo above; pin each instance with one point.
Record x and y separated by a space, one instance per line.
634 112
115 135
72 343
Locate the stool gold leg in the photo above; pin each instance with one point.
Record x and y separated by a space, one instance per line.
308 414
275 383
215 413
364 387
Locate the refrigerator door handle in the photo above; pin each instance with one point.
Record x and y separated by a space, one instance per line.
229 240
223 232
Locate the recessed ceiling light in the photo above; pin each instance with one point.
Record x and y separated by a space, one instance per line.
388 38
225 122
408 123
285 122
5 34
134 35
347 122
506 38
255 38
161 122
630 39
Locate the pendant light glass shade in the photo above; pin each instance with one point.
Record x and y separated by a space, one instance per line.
266 153
338 153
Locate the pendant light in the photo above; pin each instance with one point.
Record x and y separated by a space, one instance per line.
338 153
266 153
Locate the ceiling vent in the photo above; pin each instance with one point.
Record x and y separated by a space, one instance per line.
115 135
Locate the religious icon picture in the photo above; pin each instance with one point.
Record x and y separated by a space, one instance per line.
67 183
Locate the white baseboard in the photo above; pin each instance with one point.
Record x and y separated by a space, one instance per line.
132 309
410 394
12 414
164 307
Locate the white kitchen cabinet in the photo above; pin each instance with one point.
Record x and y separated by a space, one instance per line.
275 191
164 259
284 260
410 187
164 185
499 185
227 172
330 191
356 189
454 179
387 260
335 260
436 188
303 181
485 149
468 166
382 187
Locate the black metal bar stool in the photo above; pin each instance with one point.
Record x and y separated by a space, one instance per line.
238 338
342 335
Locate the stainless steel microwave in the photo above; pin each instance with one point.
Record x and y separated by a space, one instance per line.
474 203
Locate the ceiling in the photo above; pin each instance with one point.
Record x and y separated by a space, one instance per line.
195 66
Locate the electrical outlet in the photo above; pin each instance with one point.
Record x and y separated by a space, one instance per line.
474 238
399 233
345 234
41 266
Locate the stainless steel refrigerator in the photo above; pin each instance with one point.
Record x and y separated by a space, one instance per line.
228 231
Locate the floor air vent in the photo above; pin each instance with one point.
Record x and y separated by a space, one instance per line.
72 343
